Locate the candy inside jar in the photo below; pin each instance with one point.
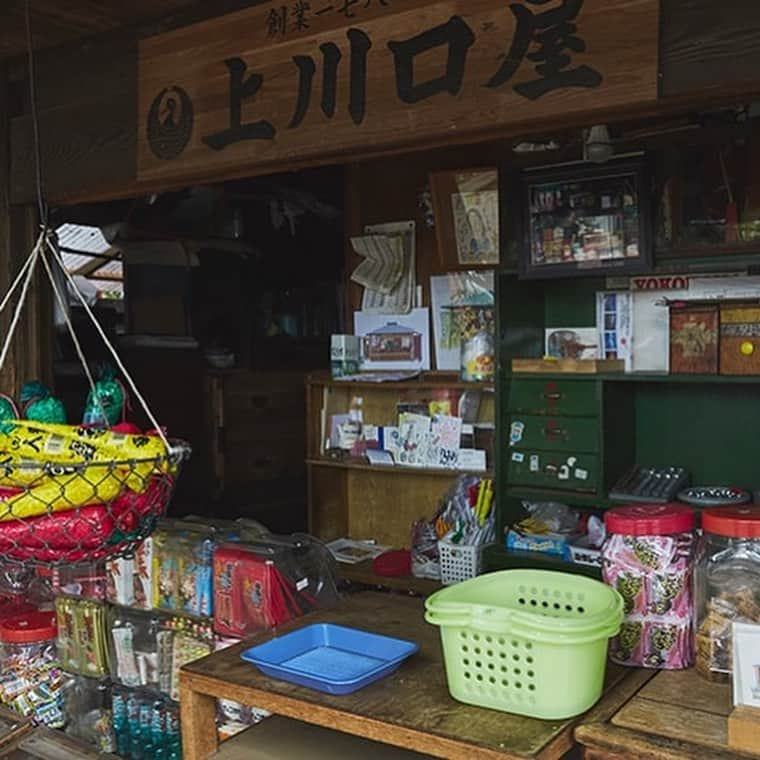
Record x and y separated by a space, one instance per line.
727 584
478 358
648 558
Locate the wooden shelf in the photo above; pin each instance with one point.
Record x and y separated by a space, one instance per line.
362 573
497 557
640 377
425 381
571 498
396 469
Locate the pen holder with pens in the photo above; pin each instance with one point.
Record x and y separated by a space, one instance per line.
264 584
465 524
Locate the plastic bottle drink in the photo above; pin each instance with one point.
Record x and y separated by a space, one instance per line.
146 728
133 727
158 730
119 706
174 738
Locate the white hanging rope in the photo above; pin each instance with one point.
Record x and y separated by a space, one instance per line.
29 266
77 346
16 282
130 382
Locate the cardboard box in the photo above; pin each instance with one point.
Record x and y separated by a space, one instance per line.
740 340
694 339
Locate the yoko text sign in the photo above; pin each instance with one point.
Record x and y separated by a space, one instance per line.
311 80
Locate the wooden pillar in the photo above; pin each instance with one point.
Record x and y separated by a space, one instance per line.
31 354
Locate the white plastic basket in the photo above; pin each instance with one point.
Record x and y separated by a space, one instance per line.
459 562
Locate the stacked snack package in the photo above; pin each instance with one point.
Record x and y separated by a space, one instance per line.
82 640
182 571
649 558
129 580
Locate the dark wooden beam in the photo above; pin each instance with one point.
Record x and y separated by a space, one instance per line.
710 47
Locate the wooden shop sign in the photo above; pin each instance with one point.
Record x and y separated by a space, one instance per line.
317 80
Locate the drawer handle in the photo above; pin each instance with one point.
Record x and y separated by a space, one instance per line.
555 433
552 396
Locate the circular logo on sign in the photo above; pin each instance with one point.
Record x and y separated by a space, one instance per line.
170 123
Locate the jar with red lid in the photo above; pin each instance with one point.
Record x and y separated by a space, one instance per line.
727 583
648 557
31 682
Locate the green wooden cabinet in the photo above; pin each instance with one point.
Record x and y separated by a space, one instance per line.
602 425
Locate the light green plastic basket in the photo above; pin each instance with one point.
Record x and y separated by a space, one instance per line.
531 642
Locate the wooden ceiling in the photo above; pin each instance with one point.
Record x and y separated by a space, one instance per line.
56 22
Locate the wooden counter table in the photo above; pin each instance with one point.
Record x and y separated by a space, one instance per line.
411 708
677 715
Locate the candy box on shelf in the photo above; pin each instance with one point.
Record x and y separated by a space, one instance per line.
543 543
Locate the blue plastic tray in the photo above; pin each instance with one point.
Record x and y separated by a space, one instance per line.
330 658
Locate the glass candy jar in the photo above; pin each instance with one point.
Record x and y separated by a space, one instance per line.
31 682
478 358
727 583
648 557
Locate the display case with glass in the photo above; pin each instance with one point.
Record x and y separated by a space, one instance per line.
585 220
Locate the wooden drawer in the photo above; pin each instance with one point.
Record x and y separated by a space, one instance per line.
250 399
263 454
570 434
553 469
560 398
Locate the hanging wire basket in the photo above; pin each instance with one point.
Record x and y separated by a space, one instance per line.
81 493
84 502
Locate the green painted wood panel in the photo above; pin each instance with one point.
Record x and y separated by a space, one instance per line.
712 430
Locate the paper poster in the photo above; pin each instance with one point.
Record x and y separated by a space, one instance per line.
572 343
746 664
415 440
446 440
394 341
463 305
475 216
382 264
613 324
401 299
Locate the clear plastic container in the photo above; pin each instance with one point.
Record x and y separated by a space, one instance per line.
87 706
727 583
648 557
85 580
